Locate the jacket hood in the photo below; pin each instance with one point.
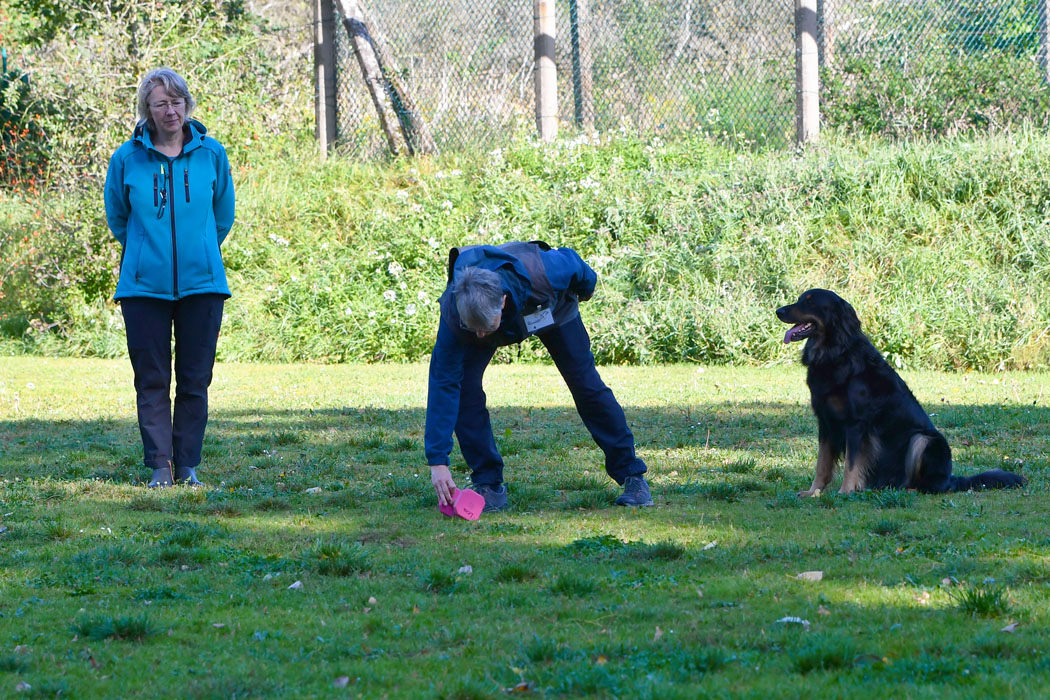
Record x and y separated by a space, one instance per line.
512 272
192 128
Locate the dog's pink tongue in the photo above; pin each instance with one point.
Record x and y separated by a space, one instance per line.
791 331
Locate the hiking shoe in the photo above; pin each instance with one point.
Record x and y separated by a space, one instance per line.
162 478
187 476
495 496
635 492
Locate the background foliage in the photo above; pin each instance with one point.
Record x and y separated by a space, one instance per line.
940 245
726 67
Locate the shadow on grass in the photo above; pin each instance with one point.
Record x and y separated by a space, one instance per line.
727 525
392 439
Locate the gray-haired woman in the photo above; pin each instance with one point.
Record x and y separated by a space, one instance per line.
169 201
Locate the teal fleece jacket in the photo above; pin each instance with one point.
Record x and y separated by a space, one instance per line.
170 215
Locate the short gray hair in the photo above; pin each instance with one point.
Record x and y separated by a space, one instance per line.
172 82
479 297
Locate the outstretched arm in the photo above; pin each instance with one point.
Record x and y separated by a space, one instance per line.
443 390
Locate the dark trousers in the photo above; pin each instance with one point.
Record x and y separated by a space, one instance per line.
196 319
570 348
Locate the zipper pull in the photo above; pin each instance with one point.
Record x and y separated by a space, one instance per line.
163 193
186 182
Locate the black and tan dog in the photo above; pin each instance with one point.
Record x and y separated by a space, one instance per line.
866 412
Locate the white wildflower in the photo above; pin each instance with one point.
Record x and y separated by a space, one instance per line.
410 310
395 268
390 295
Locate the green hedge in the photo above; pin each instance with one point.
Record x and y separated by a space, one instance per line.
942 248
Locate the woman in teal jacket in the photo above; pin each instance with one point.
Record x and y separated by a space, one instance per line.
170 202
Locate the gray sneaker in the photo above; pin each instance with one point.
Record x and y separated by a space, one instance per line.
162 478
495 496
187 476
635 492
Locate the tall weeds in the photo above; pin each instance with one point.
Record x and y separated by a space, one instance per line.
941 247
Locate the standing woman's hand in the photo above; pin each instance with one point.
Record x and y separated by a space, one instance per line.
441 477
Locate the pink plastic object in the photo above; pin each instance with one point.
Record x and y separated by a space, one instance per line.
466 504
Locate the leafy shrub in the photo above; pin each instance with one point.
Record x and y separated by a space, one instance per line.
337 558
695 243
825 654
893 498
666 550
57 530
934 94
597 545
570 585
591 499
514 573
97 627
721 491
886 527
24 150
439 581
985 600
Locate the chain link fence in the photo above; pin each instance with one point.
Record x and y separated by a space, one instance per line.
721 67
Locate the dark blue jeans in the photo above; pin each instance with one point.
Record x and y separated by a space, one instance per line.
196 319
570 348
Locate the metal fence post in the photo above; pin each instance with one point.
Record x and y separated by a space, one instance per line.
546 78
582 65
325 115
826 32
807 81
1044 42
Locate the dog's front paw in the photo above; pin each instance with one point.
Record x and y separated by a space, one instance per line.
811 493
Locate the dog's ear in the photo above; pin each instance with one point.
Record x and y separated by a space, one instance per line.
850 322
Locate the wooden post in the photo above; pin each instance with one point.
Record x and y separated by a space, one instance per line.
353 20
325 114
1044 41
546 75
405 130
413 126
826 32
582 65
807 81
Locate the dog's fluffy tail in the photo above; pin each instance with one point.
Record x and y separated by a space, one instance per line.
992 479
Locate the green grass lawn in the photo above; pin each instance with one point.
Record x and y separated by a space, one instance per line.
316 475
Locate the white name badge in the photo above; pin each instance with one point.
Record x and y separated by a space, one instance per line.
538 320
